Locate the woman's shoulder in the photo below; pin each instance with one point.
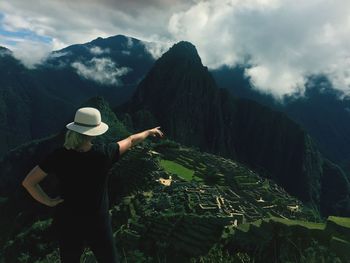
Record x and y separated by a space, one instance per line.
99 146
108 149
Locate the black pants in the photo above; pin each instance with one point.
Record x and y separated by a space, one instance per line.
74 233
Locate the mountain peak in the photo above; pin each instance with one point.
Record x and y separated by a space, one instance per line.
182 52
117 39
184 46
177 78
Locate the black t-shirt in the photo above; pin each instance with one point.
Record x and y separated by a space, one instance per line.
82 178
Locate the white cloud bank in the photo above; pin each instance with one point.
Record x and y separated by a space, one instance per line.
158 47
101 70
31 53
284 41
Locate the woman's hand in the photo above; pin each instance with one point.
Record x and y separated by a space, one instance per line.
156 131
54 201
31 183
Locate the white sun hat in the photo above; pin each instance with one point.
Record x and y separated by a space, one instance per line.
88 121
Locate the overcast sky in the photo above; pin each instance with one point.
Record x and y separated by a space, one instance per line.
283 41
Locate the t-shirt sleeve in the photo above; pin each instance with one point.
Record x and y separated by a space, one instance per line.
112 151
49 163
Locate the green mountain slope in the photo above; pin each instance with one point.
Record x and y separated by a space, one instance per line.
180 94
22 104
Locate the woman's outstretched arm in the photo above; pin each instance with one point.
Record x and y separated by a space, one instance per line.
134 139
31 183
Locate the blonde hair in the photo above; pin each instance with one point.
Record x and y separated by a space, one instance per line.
73 140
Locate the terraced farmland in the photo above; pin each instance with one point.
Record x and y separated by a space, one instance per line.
187 218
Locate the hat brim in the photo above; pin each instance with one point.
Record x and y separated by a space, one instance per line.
90 131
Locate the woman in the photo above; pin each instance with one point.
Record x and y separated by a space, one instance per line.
81 214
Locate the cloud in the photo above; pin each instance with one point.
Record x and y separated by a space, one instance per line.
283 42
126 52
59 54
31 53
56 58
158 47
95 50
129 43
85 20
65 22
276 81
101 70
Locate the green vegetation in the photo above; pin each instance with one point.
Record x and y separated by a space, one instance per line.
290 240
306 224
31 244
343 221
178 169
219 254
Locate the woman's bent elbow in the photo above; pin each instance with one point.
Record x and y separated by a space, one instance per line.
24 183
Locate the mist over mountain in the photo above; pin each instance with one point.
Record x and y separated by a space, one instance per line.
37 102
181 95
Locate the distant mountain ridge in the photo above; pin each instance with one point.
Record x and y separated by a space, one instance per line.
36 102
181 95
